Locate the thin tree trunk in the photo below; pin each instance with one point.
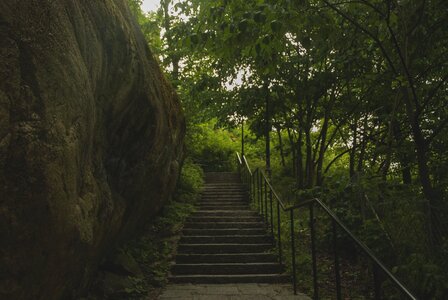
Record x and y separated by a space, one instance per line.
280 143
300 171
403 156
320 160
354 148
309 159
293 151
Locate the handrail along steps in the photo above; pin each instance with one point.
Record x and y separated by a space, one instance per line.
261 190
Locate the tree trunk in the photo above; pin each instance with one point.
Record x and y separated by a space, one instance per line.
293 151
309 167
280 143
403 156
354 148
300 171
320 160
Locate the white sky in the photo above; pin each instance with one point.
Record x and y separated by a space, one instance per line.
150 5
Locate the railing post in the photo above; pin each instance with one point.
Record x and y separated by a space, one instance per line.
279 235
272 215
313 252
259 191
265 202
252 187
293 252
336 261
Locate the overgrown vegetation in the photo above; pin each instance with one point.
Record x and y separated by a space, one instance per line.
351 98
139 269
155 250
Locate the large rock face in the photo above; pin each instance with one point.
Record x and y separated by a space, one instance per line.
90 138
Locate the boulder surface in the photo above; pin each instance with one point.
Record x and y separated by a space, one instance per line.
91 140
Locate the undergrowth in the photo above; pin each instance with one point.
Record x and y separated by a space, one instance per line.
155 249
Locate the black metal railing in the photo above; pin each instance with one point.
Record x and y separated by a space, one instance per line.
269 204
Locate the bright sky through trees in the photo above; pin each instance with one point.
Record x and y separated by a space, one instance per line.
150 5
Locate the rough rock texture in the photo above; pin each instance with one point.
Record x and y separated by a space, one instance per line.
90 140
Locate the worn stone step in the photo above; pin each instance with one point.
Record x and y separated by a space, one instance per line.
225 189
224 193
245 278
226 258
221 199
223 185
233 239
224 219
226 268
223 202
224 196
227 202
222 225
225 207
225 231
224 213
223 248
210 176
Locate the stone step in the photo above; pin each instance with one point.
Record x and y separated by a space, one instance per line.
226 203
225 231
224 197
221 175
245 278
224 213
223 184
215 219
230 191
226 258
226 268
224 191
222 225
225 241
223 248
225 207
232 239
225 188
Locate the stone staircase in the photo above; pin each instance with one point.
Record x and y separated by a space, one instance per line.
225 241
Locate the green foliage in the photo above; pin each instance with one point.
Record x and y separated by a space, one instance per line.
426 277
154 250
190 182
212 148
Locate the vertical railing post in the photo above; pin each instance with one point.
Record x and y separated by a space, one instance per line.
272 214
336 261
279 235
293 252
265 202
313 252
252 187
260 208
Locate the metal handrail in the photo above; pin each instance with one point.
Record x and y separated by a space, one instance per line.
256 190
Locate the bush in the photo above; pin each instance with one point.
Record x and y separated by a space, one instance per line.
190 182
212 148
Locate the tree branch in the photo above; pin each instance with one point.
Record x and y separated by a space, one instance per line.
367 32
